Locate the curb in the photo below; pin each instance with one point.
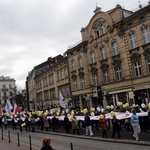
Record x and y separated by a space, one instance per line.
125 141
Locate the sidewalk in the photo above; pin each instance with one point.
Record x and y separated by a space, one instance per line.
13 145
99 138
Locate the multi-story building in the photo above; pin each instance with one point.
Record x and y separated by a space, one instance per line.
31 90
7 90
51 77
112 63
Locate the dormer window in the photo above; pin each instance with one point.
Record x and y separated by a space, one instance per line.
99 28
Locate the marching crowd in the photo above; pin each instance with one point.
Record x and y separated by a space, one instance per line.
72 125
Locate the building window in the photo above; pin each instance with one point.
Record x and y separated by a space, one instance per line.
73 65
94 78
102 52
51 79
82 82
10 94
102 29
133 43
105 76
65 72
118 73
114 49
61 74
52 94
92 57
58 76
137 69
96 32
45 81
145 35
45 95
10 86
80 63
75 84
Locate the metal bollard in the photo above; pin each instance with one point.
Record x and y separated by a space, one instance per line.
30 142
71 146
9 136
18 139
2 134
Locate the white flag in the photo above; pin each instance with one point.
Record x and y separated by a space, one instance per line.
63 103
8 107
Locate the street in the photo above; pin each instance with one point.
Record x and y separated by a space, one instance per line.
61 142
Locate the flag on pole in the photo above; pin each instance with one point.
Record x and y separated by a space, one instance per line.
16 109
63 103
8 107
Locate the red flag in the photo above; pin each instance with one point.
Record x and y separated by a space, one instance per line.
16 109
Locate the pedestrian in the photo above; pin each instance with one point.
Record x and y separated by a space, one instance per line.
67 124
46 144
75 126
88 126
5 121
116 127
103 124
20 122
33 123
42 122
135 125
46 123
27 123
54 123
14 123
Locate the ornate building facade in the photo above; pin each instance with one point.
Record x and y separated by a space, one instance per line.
110 65
112 62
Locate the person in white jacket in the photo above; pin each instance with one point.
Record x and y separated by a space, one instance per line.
135 125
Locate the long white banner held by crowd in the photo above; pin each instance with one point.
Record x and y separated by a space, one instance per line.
119 115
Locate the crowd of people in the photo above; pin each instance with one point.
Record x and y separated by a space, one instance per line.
72 125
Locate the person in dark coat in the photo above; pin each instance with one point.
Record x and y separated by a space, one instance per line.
20 122
54 123
67 124
116 127
27 123
46 144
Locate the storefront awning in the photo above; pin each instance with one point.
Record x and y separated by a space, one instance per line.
120 91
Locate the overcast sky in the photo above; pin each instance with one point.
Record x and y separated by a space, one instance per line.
33 30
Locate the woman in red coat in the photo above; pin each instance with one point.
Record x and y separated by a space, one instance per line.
103 125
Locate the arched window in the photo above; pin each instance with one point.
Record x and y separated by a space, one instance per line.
117 69
104 69
133 41
135 58
102 53
92 57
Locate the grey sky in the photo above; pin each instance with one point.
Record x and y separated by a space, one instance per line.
33 30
